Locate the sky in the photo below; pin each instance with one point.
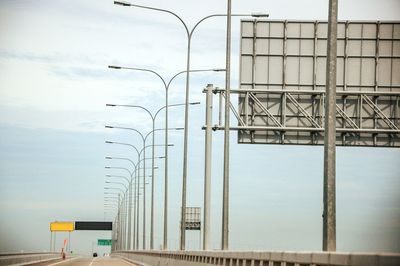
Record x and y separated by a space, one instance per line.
54 87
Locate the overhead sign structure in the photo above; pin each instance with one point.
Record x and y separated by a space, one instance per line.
104 242
101 226
62 226
283 75
193 221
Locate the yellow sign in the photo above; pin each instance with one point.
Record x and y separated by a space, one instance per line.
62 226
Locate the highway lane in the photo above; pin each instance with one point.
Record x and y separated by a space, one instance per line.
88 261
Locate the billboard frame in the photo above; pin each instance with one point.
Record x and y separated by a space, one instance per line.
366 115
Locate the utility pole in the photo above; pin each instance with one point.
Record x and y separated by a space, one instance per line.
225 199
207 168
329 214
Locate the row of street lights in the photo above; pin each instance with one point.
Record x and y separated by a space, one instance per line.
166 84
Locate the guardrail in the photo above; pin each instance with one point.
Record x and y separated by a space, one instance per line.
258 258
27 258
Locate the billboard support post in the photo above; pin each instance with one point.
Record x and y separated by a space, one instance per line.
207 167
51 241
329 212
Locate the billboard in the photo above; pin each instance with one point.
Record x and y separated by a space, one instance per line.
283 75
62 226
102 226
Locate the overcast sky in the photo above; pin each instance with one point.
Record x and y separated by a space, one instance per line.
54 85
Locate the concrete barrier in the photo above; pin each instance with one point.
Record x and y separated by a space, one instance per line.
26 258
258 258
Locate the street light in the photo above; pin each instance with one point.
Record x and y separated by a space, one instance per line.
144 138
130 195
120 213
166 86
123 222
185 143
139 155
117 183
153 118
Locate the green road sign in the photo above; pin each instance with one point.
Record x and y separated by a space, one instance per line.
104 242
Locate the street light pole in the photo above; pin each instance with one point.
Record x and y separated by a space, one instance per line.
144 174
129 214
134 193
144 138
123 223
329 213
185 142
153 118
130 198
136 210
225 198
166 85
116 196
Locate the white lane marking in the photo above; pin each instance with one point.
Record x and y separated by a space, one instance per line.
63 261
127 262
92 262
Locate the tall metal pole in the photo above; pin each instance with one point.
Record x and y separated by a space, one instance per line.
123 222
165 242
130 215
137 204
134 207
119 225
225 200
144 196
207 168
152 189
54 241
185 144
329 214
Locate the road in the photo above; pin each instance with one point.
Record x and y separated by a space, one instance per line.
88 261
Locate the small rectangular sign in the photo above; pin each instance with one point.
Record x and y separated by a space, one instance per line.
104 226
62 226
104 242
193 221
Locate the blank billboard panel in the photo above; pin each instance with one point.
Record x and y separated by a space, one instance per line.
283 76
101 226
62 226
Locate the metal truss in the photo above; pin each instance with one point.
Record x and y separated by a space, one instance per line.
297 117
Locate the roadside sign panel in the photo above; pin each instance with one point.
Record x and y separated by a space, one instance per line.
62 226
102 226
104 242
193 221
282 82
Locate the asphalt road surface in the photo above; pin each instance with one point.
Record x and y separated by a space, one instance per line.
88 261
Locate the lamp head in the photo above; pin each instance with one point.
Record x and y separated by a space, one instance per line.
114 67
259 15
121 3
